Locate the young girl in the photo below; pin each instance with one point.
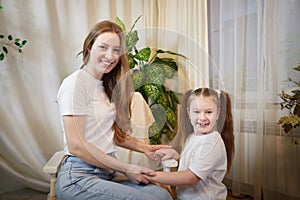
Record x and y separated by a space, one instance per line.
94 104
205 142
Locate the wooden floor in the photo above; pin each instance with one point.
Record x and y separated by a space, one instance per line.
28 194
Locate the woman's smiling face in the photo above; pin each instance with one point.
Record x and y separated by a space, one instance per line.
203 113
105 53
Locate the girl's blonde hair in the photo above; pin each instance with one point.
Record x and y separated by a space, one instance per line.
117 84
224 124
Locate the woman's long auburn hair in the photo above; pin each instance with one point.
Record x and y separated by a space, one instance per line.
117 84
224 123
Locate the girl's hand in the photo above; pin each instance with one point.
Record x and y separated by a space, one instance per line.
165 154
150 153
137 174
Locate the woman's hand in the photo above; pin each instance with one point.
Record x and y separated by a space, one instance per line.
137 174
166 153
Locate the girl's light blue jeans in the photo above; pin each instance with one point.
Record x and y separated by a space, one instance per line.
79 180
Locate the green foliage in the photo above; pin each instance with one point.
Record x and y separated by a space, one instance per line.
149 74
291 102
9 42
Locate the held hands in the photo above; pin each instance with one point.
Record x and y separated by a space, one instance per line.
138 174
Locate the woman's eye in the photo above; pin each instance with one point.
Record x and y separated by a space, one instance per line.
117 51
103 47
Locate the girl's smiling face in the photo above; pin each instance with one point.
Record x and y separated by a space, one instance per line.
203 113
104 54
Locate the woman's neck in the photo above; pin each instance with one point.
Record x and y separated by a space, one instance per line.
91 70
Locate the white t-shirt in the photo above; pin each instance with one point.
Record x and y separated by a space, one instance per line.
82 94
205 156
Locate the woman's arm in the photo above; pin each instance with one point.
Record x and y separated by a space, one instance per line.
186 177
74 128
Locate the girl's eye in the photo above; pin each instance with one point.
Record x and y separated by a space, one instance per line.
208 112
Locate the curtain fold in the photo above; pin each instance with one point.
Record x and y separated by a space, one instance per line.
30 129
181 26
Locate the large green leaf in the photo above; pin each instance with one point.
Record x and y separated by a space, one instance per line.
131 40
171 117
169 65
163 100
155 74
138 78
151 90
170 52
154 134
121 24
131 61
143 54
159 115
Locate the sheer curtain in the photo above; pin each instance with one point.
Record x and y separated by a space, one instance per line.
254 45
181 26
30 129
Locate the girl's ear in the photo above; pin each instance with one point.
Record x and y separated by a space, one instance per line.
219 110
188 112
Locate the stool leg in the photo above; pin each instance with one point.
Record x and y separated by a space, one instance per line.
52 193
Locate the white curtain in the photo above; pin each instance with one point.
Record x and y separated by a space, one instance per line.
30 129
254 45
181 26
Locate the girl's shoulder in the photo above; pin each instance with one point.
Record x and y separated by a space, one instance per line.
214 135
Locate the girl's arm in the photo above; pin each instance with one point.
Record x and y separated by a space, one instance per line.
74 128
186 177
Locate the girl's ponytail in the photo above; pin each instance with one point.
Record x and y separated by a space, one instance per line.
225 126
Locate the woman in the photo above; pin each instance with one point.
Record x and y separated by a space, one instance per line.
94 104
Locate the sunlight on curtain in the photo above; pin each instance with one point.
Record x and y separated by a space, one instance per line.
181 26
254 45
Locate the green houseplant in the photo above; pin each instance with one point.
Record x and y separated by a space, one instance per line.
291 102
150 68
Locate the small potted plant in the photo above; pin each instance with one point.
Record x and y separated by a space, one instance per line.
291 102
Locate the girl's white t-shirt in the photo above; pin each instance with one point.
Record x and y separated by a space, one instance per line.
205 156
82 94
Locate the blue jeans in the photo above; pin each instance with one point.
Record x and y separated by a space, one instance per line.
79 180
